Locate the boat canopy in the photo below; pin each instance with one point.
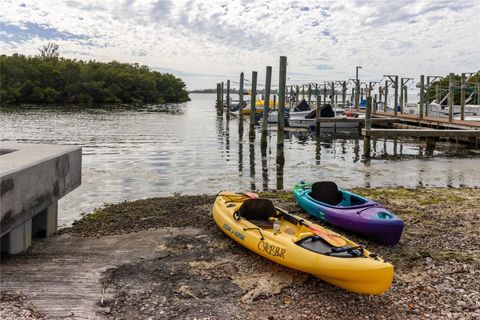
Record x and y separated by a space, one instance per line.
326 111
302 106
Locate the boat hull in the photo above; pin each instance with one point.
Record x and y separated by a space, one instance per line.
364 275
369 219
307 123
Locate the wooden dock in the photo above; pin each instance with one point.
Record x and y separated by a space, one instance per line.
420 133
428 121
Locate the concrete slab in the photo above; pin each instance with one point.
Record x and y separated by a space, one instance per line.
32 178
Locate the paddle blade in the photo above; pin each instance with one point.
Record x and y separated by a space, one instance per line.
333 239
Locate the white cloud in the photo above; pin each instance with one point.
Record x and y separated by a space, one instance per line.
323 40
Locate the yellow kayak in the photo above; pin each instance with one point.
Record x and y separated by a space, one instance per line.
299 244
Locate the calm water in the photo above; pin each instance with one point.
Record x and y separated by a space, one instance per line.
136 154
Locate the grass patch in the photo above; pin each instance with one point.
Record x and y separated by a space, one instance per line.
420 196
98 215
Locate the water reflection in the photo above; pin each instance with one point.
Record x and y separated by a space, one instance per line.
252 166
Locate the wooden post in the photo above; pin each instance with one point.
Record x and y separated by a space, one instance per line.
368 113
324 93
396 97
219 99
266 105
450 97
462 98
426 99
344 93
240 107
253 110
317 114
368 125
357 94
309 94
240 97
478 94
385 106
401 95
228 99
332 96
379 97
281 102
281 111
280 161
297 96
422 94
223 91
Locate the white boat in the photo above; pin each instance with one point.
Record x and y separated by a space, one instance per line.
328 119
472 112
300 110
325 122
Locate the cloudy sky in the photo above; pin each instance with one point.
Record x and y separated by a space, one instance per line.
207 41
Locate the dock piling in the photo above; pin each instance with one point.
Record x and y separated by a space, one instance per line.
266 105
462 98
385 105
219 100
422 94
280 161
253 110
223 88
368 126
317 114
450 97
228 99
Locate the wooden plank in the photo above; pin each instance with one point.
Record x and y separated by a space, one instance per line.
420 133
359 120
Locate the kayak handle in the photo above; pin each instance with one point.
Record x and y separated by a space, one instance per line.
255 228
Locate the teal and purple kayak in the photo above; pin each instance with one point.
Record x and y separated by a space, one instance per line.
349 211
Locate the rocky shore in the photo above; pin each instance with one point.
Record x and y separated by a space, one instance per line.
164 258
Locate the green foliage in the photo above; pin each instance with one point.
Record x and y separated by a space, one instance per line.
49 79
443 84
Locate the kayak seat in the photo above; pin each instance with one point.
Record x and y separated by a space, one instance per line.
258 212
326 192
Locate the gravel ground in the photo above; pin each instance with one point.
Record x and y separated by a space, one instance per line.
437 269
14 307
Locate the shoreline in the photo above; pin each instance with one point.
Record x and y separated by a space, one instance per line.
165 257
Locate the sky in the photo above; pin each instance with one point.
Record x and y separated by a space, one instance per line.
208 41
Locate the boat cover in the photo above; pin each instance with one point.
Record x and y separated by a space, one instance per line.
325 112
302 106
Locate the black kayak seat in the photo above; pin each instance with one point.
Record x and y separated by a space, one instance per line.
326 192
258 212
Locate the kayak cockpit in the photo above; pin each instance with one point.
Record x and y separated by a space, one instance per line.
328 192
318 245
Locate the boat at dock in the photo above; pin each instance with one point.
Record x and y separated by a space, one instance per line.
299 244
349 211
301 109
328 119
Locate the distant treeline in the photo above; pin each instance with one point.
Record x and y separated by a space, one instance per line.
52 79
232 91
